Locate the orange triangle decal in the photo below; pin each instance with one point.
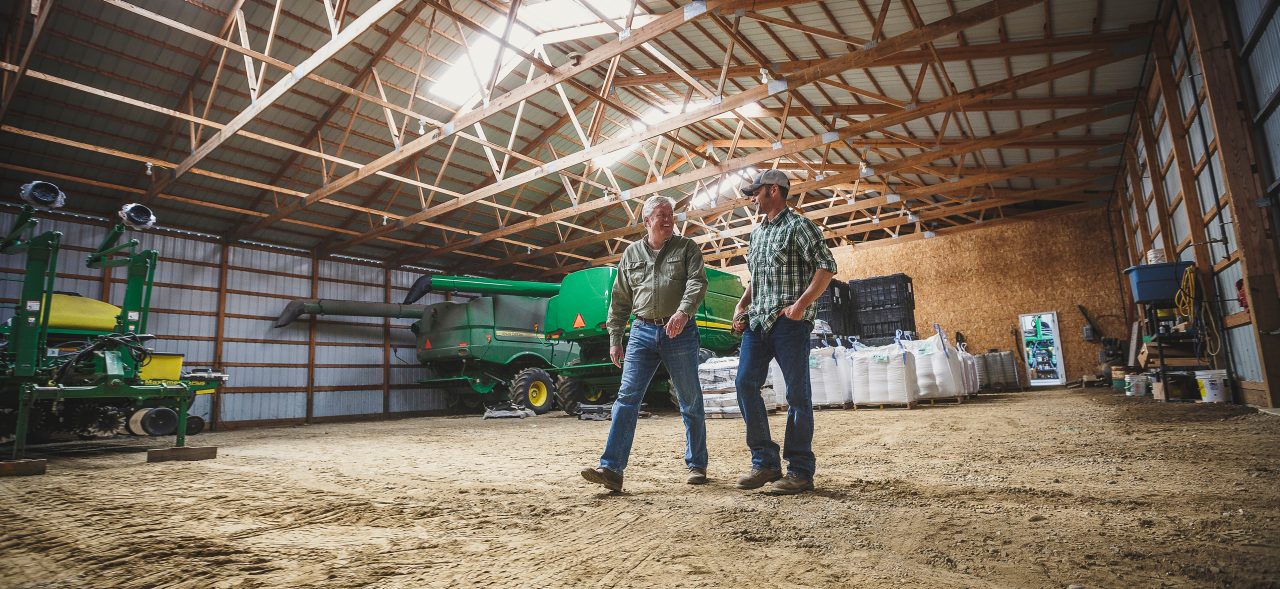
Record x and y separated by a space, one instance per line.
578 323
426 343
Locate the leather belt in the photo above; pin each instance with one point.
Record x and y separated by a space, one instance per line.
659 322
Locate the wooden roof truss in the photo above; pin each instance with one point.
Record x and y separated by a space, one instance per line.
314 124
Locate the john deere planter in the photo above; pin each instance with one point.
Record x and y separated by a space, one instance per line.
533 343
78 365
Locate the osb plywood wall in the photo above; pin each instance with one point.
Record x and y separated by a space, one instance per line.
979 281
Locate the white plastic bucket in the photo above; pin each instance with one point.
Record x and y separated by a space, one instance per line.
1136 385
1212 385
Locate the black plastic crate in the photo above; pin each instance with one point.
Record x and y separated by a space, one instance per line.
883 292
880 323
835 306
883 341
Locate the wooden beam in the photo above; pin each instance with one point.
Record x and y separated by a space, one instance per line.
1000 139
1063 44
1258 250
1060 142
1076 65
662 25
278 90
36 31
829 67
1002 104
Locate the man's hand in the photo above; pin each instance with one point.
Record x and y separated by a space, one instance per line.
616 354
794 311
740 321
675 325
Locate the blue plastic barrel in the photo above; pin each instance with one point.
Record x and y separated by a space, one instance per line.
1156 283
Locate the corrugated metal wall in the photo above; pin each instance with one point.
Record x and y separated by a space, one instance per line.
338 367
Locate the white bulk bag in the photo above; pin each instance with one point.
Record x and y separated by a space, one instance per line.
822 375
859 383
969 364
829 375
844 377
889 373
778 383
938 368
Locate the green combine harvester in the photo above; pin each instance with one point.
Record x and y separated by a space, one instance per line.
72 364
490 349
533 344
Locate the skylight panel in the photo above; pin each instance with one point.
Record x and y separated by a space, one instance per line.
460 84
560 14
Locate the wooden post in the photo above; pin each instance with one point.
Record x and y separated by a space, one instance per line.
1174 118
1155 170
1257 247
311 341
386 344
219 333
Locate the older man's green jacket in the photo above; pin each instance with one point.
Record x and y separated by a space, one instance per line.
656 284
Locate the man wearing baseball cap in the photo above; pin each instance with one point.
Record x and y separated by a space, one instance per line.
790 267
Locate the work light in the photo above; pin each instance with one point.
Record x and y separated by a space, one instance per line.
137 216
43 194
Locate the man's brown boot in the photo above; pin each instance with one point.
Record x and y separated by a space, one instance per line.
758 478
603 476
697 476
791 485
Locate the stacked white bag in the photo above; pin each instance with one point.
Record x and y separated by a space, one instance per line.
718 375
720 403
939 372
886 374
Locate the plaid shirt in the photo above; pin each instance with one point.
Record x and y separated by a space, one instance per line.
783 255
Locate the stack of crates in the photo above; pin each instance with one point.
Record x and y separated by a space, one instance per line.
881 307
835 306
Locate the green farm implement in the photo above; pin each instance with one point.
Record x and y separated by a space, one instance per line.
82 366
534 344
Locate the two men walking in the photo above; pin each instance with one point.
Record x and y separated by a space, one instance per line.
662 280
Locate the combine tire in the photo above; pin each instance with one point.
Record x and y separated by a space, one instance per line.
572 393
533 388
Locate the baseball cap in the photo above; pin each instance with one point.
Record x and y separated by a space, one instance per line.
767 177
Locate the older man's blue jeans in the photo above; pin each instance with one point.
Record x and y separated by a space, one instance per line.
648 346
788 342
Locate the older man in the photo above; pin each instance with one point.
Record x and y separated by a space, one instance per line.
790 266
662 280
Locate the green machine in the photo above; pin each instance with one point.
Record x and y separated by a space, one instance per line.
82 366
535 344
578 314
487 350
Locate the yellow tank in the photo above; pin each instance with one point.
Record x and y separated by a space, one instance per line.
72 312
162 367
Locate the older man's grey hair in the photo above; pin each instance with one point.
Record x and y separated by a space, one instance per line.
654 202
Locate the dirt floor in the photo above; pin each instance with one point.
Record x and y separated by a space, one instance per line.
1045 489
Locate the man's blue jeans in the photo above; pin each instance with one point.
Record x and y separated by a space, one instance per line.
788 342
649 345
